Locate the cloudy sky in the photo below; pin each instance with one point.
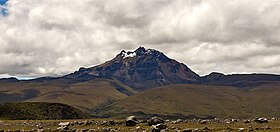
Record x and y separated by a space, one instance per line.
55 37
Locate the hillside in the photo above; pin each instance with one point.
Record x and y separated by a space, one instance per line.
200 101
39 111
83 95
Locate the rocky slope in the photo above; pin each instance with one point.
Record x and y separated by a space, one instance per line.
141 69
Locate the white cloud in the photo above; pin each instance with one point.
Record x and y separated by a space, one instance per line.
51 37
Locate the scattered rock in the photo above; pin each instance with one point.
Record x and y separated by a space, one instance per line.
138 128
112 122
155 120
205 129
179 120
104 123
247 121
64 124
158 127
131 121
261 120
203 121
63 128
40 130
233 120
187 130
241 129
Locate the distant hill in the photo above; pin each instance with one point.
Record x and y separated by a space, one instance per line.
10 80
39 111
200 101
239 80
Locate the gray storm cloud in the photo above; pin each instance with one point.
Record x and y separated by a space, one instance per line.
52 38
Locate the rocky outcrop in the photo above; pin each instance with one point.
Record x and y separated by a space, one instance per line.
154 121
131 121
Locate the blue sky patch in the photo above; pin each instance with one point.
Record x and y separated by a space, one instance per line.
2 2
3 11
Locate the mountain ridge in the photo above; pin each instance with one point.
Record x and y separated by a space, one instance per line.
133 77
151 66
141 65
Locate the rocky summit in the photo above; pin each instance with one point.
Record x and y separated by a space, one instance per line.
142 65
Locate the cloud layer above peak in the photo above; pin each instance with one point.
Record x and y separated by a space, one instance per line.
51 37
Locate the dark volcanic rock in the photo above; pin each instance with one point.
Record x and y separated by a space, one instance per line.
131 121
261 120
134 68
154 121
158 127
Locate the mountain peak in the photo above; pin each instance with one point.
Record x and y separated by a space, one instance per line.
127 54
140 69
140 49
138 52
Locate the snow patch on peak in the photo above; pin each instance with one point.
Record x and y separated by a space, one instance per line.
128 55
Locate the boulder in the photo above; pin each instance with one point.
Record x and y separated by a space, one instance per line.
158 127
64 124
187 130
203 121
177 121
155 120
241 129
205 129
131 121
247 121
261 120
112 122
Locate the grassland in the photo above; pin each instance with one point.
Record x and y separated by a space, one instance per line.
202 101
83 95
111 98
